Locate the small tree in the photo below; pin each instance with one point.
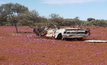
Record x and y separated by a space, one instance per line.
11 12
90 19
56 18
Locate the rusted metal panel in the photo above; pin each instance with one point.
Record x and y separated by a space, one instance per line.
96 41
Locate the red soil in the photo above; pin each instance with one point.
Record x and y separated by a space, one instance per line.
28 49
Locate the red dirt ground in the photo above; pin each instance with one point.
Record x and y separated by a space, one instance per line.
28 49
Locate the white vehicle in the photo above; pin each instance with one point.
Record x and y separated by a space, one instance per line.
68 33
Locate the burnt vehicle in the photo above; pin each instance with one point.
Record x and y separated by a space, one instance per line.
63 33
68 33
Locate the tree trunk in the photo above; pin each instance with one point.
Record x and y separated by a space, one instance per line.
16 27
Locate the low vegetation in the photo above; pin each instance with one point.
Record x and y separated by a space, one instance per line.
19 15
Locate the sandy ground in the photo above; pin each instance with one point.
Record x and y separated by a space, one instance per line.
27 49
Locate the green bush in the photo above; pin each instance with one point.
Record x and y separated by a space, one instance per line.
96 23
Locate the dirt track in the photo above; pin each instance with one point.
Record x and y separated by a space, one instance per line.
28 49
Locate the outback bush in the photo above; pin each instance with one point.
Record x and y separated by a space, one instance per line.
97 23
19 15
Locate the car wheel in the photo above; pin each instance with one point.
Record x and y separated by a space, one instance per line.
80 39
59 37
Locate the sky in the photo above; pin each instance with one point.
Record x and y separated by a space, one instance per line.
66 8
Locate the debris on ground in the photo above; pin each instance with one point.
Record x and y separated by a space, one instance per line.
96 41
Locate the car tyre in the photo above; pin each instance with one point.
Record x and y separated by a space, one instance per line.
59 37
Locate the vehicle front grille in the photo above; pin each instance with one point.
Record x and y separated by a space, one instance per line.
75 33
